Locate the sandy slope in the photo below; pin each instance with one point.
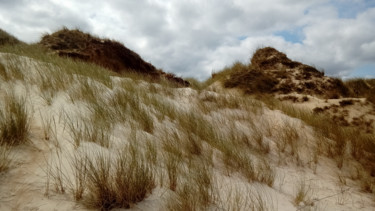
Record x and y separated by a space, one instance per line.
23 187
359 113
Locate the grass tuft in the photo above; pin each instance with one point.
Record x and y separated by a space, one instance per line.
118 183
303 193
14 121
5 160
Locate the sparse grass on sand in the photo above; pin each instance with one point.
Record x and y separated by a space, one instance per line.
14 121
5 160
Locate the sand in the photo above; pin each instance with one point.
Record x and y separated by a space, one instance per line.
25 185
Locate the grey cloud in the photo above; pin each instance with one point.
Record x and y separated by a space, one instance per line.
341 44
36 17
194 38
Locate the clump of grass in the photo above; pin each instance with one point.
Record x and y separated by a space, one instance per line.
367 184
265 173
289 137
55 171
303 193
79 164
119 183
172 164
50 80
197 192
151 152
262 146
46 126
193 145
129 104
86 131
14 121
12 68
3 72
5 160
89 90
200 129
239 160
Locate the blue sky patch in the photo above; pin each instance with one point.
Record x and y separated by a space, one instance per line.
243 37
350 9
365 71
294 36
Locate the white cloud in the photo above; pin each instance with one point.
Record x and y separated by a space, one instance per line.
193 38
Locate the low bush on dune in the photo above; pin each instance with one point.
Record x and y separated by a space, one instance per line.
103 52
272 72
250 80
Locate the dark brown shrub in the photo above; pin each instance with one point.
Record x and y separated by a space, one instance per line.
340 88
309 70
344 103
318 110
268 57
251 81
104 52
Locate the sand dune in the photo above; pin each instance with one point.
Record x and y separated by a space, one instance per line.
249 156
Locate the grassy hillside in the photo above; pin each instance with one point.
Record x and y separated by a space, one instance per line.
6 38
103 52
362 88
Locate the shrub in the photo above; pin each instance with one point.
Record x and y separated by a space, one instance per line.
251 81
344 103
305 98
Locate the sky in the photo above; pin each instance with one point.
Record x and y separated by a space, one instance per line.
195 38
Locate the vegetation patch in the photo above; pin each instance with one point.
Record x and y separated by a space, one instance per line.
14 121
251 81
104 52
8 39
271 71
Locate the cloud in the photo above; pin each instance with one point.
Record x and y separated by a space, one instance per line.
194 38
340 44
29 19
